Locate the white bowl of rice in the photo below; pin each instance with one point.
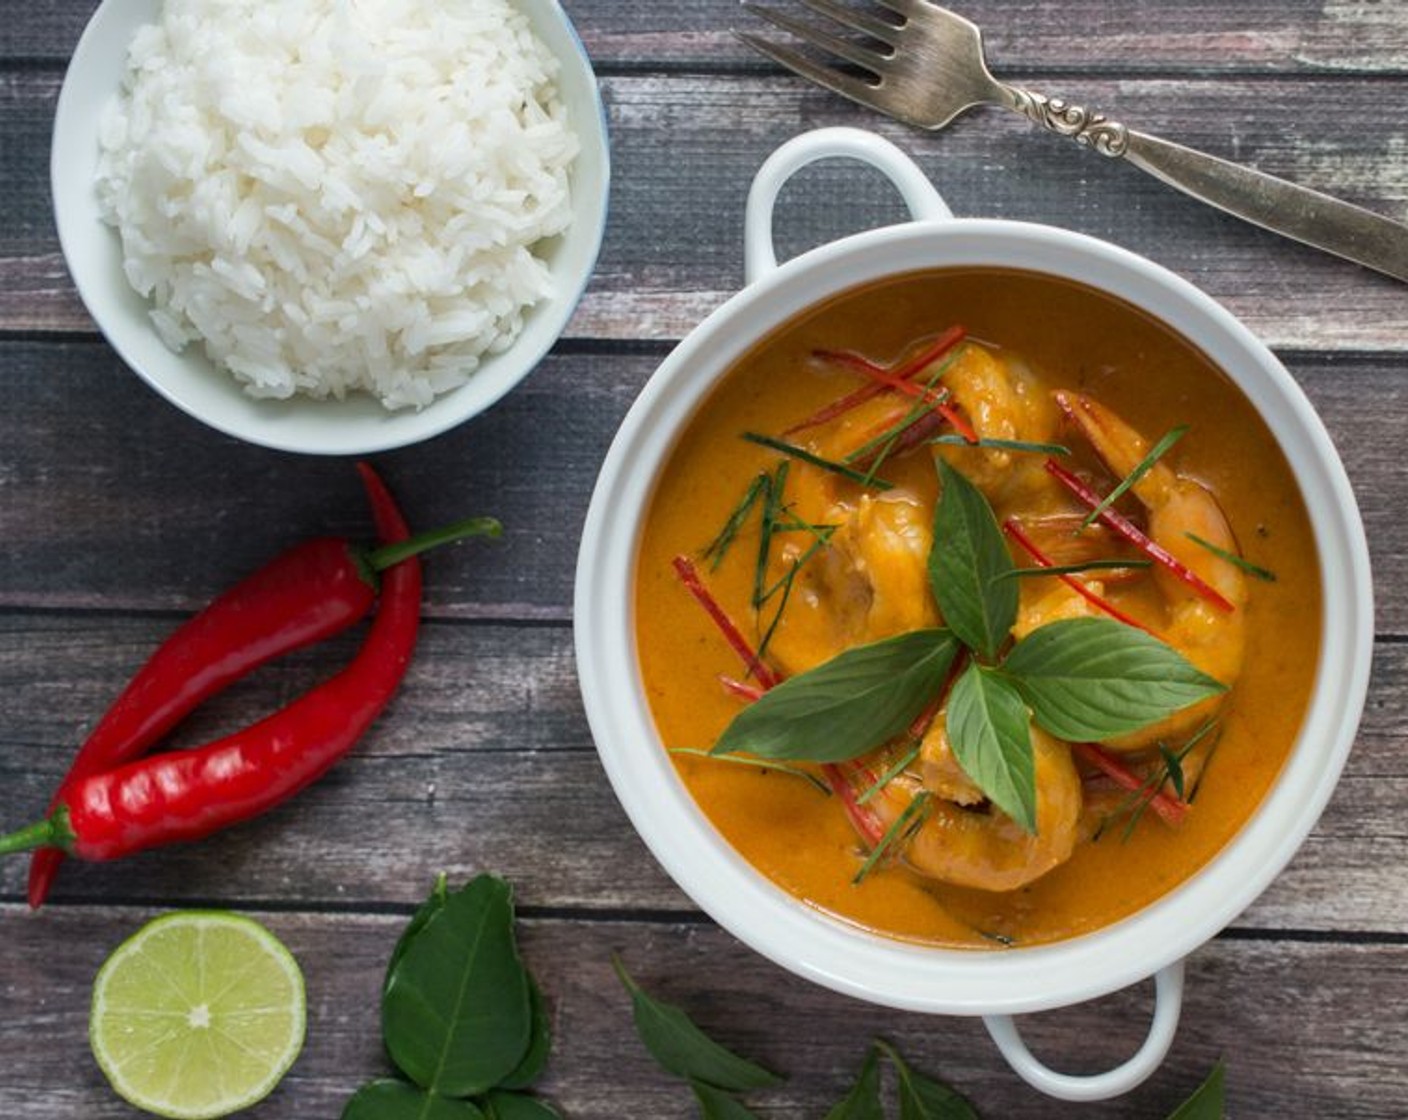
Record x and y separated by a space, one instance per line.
330 226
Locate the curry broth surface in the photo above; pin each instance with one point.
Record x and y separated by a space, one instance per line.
1073 338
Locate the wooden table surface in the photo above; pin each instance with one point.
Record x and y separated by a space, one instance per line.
119 515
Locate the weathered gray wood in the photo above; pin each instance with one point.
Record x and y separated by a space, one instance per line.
1305 1029
485 760
1265 36
686 147
93 516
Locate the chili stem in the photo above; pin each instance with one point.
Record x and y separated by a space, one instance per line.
52 832
378 560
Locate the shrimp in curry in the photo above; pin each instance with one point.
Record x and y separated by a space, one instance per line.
991 817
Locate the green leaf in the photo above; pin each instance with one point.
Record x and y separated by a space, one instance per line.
968 567
1208 1101
683 1049
395 1100
922 1098
989 729
1094 678
539 1043
848 705
456 1013
863 1101
427 910
715 1104
517 1106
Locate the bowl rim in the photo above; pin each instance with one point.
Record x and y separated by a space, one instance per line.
828 949
359 424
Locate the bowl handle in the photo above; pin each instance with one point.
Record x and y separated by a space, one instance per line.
1168 1002
825 143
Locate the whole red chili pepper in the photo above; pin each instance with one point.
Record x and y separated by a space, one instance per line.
188 794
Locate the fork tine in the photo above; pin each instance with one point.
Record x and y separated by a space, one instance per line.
873 61
863 22
844 84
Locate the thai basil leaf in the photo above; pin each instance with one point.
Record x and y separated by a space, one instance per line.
1094 678
989 728
683 1049
395 1100
517 1106
922 1098
968 567
427 910
715 1104
539 1043
848 705
456 1014
1208 1101
863 1101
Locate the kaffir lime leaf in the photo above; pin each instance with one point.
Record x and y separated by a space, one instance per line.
197 1015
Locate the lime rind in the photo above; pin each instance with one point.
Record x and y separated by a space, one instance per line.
197 1015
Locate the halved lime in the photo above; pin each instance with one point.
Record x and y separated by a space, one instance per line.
197 1015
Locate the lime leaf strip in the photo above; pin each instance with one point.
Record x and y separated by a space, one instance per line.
456 1013
968 566
683 1049
1093 679
846 706
989 728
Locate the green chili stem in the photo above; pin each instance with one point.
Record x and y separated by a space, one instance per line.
378 560
52 832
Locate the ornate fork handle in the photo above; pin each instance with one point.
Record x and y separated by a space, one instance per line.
1275 204
1056 114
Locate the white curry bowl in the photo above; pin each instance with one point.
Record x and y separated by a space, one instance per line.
997 984
358 424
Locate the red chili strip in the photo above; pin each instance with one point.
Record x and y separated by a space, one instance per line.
1135 536
186 795
749 692
1170 808
922 430
689 576
886 380
937 349
863 819
1014 530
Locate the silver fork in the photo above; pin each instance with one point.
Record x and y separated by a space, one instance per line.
927 66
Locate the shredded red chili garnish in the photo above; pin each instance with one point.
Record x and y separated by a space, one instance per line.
1136 536
1169 807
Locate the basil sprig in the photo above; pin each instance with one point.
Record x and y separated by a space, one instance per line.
847 706
1079 679
969 573
990 732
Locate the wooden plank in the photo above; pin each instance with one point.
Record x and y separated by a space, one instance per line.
116 525
1265 36
686 148
1247 1003
485 760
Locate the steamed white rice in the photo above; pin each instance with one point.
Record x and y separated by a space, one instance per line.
338 195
